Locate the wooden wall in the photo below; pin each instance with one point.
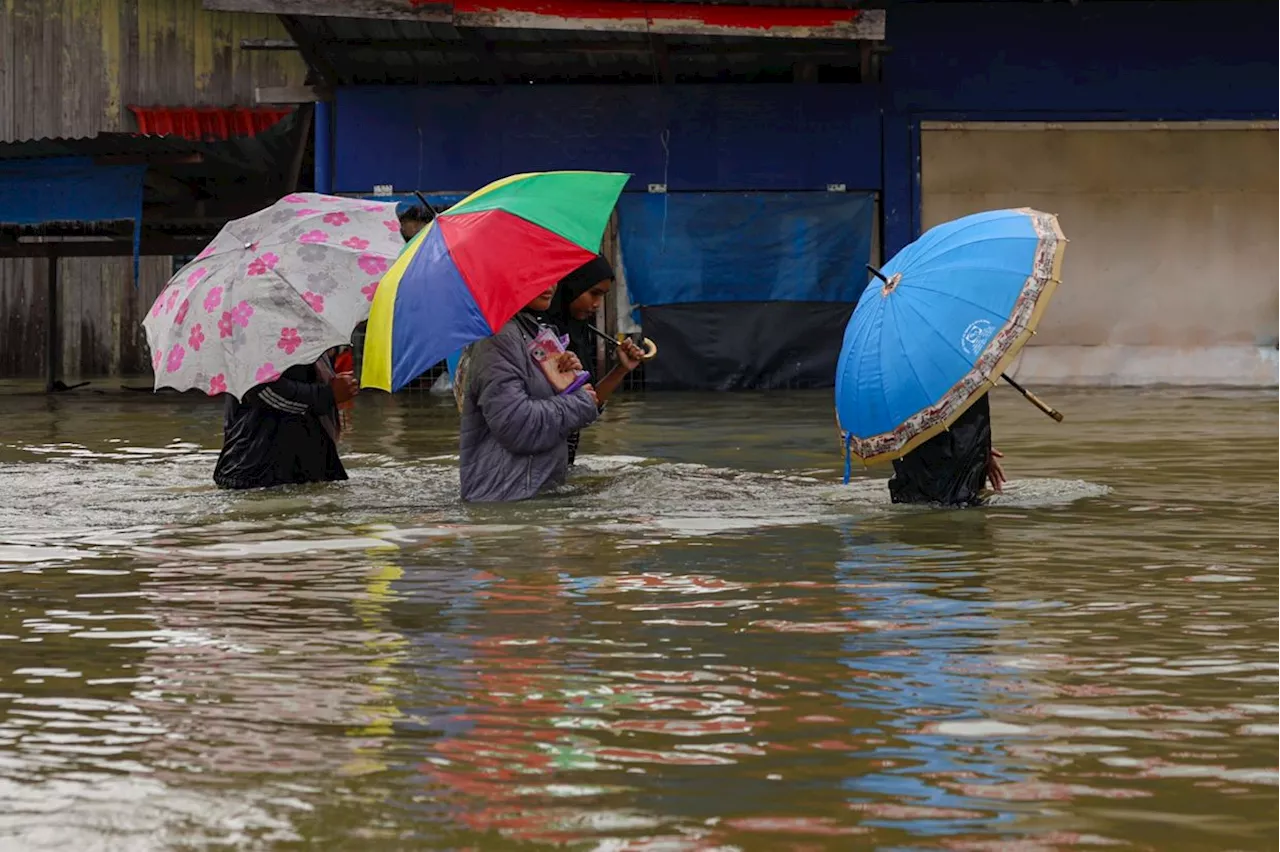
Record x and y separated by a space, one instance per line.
71 68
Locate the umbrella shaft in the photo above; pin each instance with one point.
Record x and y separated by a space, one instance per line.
606 338
1034 400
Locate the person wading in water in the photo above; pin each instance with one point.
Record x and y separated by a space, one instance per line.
285 432
513 440
953 467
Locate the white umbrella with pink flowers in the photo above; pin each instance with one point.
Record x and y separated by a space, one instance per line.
272 290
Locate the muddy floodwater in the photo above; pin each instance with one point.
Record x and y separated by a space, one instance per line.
706 642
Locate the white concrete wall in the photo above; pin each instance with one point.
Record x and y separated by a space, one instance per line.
1170 274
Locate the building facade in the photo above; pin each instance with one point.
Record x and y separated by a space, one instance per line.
71 69
1148 127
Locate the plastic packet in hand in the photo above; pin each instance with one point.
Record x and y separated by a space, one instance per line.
546 349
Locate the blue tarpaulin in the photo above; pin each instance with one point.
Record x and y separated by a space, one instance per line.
72 189
683 248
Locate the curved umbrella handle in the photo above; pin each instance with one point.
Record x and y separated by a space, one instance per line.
649 349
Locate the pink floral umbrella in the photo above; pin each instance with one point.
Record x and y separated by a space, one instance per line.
272 290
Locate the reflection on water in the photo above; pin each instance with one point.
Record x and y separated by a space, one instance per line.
705 642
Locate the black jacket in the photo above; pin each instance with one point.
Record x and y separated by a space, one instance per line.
274 436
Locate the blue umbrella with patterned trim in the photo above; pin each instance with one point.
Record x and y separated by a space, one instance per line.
950 314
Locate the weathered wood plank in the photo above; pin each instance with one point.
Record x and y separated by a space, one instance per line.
291 94
387 10
268 44
53 325
158 246
8 106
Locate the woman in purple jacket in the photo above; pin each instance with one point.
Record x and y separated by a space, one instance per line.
515 428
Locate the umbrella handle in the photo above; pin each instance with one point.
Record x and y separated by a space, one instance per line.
650 349
1034 400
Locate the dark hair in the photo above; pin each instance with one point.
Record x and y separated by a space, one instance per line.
414 220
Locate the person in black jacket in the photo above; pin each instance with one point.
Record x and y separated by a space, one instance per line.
952 467
285 432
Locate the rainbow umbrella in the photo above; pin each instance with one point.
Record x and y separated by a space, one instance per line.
476 265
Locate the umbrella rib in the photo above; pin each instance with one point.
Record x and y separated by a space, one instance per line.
884 393
967 226
902 348
864 332
948 343
917 287
294 290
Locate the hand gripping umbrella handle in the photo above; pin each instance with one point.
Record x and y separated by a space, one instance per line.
650 348
1034 400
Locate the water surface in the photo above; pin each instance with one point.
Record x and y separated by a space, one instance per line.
706 642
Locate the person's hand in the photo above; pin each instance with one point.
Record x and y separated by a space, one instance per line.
995 471
568 363
629 355
344 387
590 391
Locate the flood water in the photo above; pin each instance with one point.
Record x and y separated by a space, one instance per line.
707 642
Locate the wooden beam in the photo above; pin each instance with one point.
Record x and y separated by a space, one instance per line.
618 16
798 50
53 333
386 10
151 246
584 15
291 94
306 118
192 159
268 44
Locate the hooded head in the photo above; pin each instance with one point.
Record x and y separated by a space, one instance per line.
579 293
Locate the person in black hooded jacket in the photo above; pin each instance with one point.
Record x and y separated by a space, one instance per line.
285 432
952 467
578 296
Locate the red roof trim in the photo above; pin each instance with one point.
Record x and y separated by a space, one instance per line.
206 123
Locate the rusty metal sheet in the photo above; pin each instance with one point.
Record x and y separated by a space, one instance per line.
673 19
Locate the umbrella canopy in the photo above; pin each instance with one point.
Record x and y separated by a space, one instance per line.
475 266
272 290
953 310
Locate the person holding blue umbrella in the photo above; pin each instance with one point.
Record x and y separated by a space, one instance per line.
924 347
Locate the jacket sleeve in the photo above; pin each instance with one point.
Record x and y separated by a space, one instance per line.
293 397
523 425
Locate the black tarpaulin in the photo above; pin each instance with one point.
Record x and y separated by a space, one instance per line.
744 345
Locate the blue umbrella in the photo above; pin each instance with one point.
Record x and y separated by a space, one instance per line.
951 313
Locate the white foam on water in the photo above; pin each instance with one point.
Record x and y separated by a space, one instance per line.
1017 494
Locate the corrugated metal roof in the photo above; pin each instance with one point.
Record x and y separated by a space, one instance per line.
254 154
206 123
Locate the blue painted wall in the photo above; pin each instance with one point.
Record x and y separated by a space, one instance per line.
718 137
959 61
1095 60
